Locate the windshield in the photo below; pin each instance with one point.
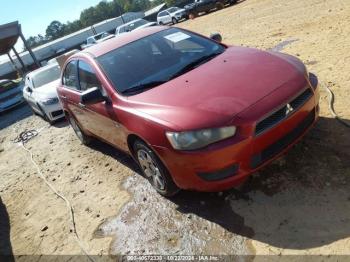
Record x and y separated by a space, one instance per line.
157 58
46 76
132 26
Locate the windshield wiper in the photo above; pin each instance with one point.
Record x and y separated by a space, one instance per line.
142 87
194 64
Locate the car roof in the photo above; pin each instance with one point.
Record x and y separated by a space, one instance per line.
131 22
41 69
172 8
121 40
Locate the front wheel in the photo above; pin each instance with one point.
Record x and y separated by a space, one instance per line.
154 170
44 115
174 20
84 139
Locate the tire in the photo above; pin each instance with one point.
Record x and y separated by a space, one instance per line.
193 15
219 5
33 111
44 115
84 139
161 23
154 170
174 20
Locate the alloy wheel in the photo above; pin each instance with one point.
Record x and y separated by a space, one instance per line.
151 169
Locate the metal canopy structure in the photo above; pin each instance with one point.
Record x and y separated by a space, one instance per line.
9 34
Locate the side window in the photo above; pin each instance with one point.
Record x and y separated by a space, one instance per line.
87 76
70 77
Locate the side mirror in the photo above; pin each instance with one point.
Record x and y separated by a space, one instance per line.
92 96
29 90
216 37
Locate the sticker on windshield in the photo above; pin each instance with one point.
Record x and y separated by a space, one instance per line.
177 37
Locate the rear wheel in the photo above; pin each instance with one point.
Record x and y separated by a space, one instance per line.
193 15
219 5
84 139
154 170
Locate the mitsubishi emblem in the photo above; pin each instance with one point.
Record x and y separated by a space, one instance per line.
290 109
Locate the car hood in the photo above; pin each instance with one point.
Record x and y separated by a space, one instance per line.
215 92
49 90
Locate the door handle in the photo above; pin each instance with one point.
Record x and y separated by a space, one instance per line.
63 97
81 105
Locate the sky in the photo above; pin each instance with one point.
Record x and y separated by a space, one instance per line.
35 15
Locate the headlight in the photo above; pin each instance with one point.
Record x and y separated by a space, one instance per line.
192 140
50 101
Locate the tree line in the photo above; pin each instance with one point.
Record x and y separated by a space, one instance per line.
92 15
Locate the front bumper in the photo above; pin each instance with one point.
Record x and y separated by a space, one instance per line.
228 163
53 112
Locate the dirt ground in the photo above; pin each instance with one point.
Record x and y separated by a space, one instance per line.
300 204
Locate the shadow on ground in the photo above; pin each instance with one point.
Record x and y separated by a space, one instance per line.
117 154
16 114
300 201
5 242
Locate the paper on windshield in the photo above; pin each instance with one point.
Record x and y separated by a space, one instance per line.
177 37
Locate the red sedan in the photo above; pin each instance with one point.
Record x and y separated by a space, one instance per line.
194 113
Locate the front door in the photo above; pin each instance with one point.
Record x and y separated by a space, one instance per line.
100 118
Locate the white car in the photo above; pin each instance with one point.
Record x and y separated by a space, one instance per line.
171 15
40 92
95 39
133 25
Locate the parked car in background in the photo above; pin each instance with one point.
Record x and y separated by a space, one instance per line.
133 25
205 6
95 39
193 112
171 15
10 94
60 60
41 94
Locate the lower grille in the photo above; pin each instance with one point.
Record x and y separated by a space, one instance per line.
283 113
57 113
220 174
282 143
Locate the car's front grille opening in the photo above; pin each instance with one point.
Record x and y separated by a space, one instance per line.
283 113
301 99
274 149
